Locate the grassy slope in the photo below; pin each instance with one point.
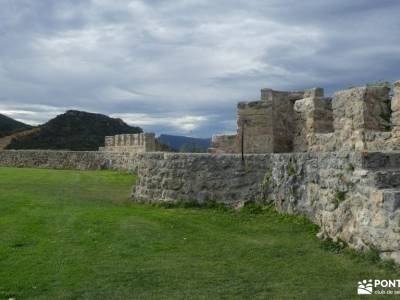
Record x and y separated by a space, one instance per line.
69 234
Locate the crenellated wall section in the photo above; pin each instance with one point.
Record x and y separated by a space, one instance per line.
356 119
130 143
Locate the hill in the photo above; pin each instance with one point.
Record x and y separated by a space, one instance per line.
6 140
184 143
73 130
9 126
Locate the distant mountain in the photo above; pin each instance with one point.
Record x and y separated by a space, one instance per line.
73 130
184 143
9 126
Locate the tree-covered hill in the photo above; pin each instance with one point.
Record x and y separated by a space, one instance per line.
184 143
9 126
73 130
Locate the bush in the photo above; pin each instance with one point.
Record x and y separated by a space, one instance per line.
252 208
332 246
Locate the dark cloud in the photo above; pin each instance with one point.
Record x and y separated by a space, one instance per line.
181 66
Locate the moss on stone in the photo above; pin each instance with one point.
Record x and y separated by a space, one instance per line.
340 196
291 170
350 167
267 178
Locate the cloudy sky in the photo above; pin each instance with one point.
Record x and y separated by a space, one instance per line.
181 66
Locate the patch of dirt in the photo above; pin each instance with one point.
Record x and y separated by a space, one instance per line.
5 141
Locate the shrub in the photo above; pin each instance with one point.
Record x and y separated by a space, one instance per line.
332 246
252 208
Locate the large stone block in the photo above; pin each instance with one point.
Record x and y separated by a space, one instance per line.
312 116
362 108
360 114
396 107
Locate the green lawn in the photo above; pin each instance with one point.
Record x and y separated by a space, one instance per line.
70 234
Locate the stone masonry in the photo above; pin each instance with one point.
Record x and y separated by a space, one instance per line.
356 119
223 144
130 143
68 160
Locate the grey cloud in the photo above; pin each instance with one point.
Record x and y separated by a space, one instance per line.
162 61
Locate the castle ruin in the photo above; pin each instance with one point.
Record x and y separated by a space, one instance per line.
357 119
332 160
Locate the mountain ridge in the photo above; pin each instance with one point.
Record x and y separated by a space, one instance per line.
184 143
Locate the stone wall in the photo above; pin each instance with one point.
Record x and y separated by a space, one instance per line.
130 143
394 141
346 194
224 144
395 106
254 123
68 160
272 125
198 177
313 117
359 112
355 119
266 126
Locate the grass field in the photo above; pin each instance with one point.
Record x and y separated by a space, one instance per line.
77 235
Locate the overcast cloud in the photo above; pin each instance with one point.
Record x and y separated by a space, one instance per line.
180 67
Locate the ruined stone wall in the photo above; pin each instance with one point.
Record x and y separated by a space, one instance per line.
358 112
198 177
282 122
313 116
333 177
272 125
68 160
130 143
357 119
254 123
266 126
395 106
394 141
224 144
346 194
